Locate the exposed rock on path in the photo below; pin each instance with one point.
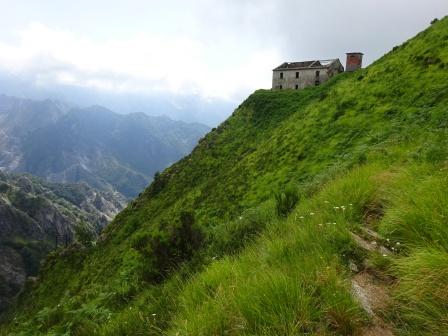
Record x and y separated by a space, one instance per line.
372 291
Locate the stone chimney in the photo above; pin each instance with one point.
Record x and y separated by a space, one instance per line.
354 61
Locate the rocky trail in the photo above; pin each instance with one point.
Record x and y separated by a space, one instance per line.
370 286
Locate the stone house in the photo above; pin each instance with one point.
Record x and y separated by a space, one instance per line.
298 75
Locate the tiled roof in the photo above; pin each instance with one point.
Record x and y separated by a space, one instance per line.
305 65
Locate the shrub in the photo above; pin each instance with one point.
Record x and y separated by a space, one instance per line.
168 245
158 184
84 234
178 243
285 201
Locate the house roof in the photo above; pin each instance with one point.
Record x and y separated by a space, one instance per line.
317 64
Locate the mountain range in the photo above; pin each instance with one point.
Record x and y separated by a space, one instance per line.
108 151
320 211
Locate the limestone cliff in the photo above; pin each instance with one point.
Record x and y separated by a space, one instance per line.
36 217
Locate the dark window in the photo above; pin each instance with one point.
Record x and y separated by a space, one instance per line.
317 74
281 75
297 74
280 87
297 86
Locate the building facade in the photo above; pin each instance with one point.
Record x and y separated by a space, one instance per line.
299 75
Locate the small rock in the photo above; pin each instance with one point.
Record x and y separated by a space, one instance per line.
353 267
385 250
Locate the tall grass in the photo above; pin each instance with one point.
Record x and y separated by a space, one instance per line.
292 279
418 211
415 225
422 293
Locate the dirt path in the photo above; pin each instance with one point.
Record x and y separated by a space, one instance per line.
373 297
372 291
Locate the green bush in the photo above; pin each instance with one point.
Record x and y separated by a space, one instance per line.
84 234
166 246
285 201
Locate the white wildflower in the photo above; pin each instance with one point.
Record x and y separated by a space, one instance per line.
311 213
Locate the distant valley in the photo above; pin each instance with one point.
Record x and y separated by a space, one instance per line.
107 150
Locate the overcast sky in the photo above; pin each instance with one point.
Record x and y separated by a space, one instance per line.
213 50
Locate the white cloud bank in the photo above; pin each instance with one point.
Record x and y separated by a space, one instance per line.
190 59
141 64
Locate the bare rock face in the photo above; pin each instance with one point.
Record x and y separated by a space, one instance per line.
36 217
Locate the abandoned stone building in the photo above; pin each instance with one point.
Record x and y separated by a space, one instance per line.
298 75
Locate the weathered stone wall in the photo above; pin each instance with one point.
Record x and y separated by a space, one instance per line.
306 77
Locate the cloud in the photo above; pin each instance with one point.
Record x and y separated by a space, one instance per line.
143 63
202 51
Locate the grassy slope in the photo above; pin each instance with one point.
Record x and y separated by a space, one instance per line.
374 139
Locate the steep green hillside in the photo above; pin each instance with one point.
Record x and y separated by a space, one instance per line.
258 231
